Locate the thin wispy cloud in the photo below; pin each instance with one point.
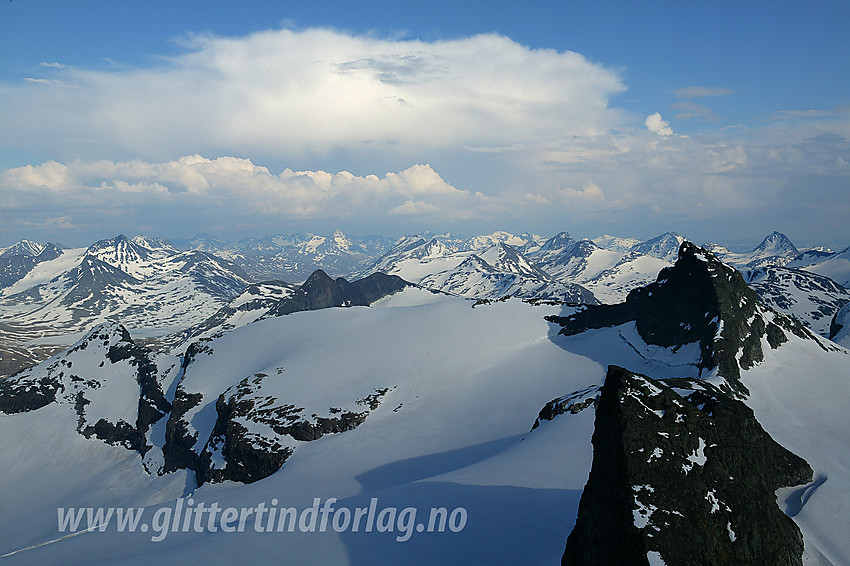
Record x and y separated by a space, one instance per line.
691 110
798 114
701 91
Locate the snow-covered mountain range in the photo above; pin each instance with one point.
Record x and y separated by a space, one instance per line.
50 296
608 430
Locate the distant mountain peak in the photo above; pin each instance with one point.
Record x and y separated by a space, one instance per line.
24 248
152 243
777 241
664 246
559 240
507 258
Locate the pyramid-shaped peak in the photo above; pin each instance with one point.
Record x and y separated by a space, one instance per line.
777 241
557 242
318 277
341 239
115 242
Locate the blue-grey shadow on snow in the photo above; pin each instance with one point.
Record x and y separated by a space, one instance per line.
622 346
413 469
503 525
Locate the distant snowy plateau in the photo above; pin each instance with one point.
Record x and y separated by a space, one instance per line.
605 401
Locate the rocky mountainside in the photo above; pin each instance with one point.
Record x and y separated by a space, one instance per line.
144 283
810 298
698 300
671 452
112 385
20 259
839 326
322 292
119 403
671 455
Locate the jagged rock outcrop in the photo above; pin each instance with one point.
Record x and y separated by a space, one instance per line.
255 432
699 300
321 292
573 403
688 478
109 381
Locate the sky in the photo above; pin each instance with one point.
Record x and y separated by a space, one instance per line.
719 120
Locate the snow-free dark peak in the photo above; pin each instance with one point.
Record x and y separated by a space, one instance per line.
320 291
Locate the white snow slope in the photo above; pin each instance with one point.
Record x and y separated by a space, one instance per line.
468 385
453 431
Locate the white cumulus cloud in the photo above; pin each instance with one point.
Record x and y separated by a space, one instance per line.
193 192
655 123
287 92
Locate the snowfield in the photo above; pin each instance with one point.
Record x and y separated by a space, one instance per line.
457 385
467 385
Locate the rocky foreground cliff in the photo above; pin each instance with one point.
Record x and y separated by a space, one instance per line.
682 471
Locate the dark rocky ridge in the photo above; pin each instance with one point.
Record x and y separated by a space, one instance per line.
234 450
701 300
691 477
321 292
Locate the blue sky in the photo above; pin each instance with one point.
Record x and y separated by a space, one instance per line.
454 116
